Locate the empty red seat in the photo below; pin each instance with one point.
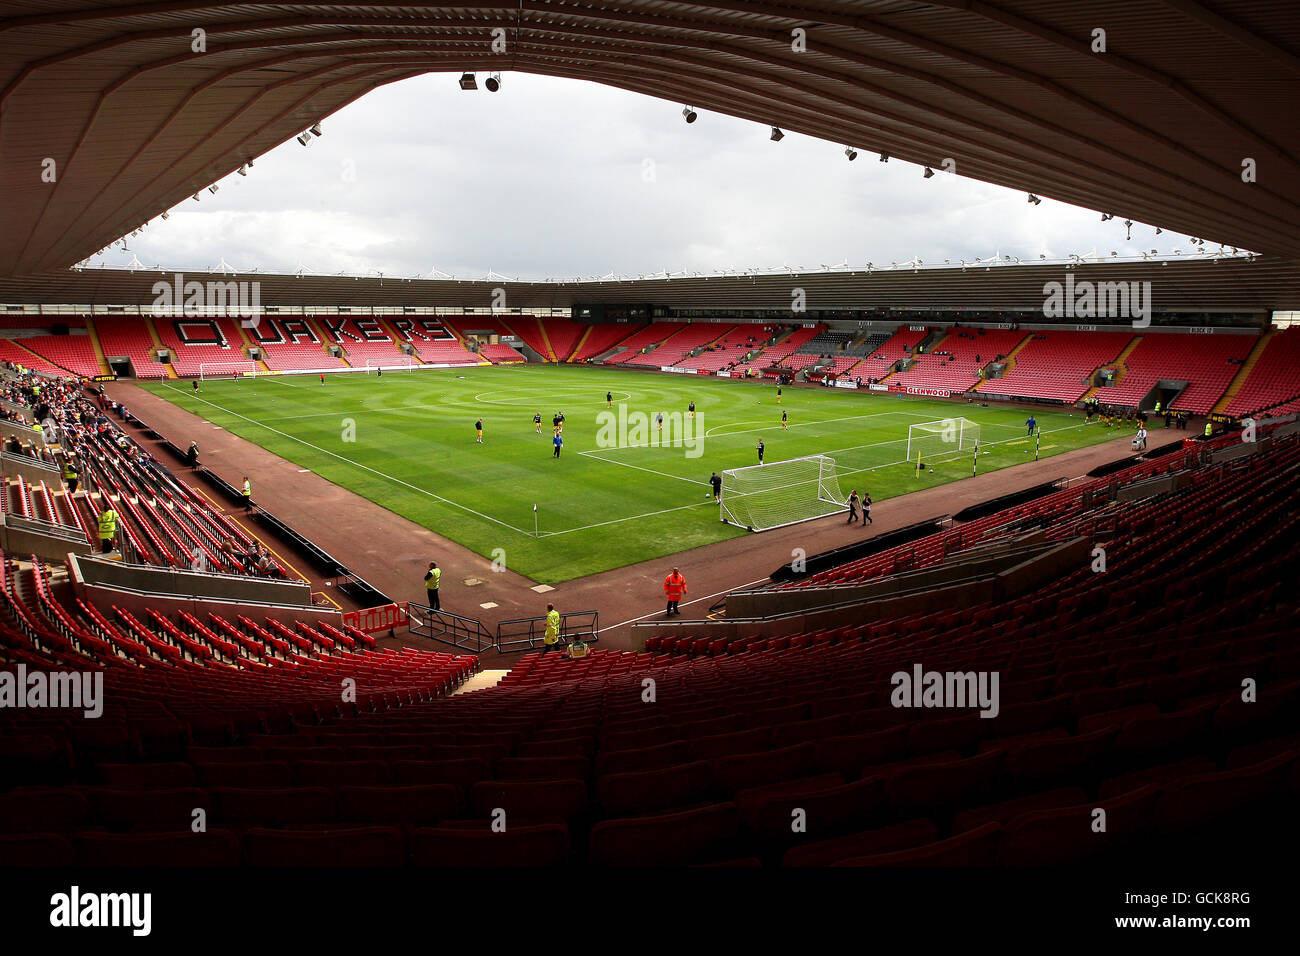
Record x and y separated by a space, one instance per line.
671 839
900 836
649 791
347 846
178 848
978 847
417 805
540 845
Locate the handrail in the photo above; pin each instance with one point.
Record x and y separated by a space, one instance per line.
445 627
526 633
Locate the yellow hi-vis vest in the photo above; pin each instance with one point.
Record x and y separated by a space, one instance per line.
431 582
69 473
552 627
248 490
108 523
1209 429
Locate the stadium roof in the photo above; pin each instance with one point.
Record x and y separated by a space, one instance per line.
1155 128
1199 285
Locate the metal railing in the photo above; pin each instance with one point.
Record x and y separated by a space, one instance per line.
528 633
448 628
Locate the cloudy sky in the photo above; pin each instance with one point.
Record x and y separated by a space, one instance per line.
552 177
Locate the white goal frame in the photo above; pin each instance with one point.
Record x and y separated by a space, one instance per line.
235 370
748 493
963 435
406 366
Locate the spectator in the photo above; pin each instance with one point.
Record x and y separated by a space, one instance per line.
192 454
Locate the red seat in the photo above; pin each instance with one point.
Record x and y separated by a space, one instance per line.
1069 834
650 791
180 848
673 839
978 847
532 800
900 836
537 845
357 846
421 806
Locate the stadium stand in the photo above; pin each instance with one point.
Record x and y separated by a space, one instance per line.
291 343
1207 363
1119 690
649 335
11 351
1273 384
681 343
601 338
127 336
563 335
954 362
880 363
196 342
362 338
730 349
776 354
1058 365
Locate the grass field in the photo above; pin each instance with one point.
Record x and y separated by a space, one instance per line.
406 441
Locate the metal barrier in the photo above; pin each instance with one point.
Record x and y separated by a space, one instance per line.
448 628
528 633
375 619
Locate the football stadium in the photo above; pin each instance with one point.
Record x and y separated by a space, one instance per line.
981 566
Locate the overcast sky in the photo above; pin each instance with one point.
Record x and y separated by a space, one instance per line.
558 178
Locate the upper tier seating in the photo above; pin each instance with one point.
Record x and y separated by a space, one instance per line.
681 343
1058 365
1205 362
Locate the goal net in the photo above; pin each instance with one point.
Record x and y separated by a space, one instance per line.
400 363
210 370
930 440
762 497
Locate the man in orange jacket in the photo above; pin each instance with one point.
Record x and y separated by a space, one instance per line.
674 588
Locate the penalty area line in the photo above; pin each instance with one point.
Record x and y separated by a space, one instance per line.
357 464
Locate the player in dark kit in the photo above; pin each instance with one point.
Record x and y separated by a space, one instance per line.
691 408
478 428
609 399
760 451
537 421
716 481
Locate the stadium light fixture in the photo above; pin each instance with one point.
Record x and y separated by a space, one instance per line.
851 153
1128 229
493 83
314 129
243 170
196 197
689 114
928 172
1034 199
166 215
213 188
249 164
1158 230
777 135
304 139
884 157
468 81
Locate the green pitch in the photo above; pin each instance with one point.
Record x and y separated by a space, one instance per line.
407 442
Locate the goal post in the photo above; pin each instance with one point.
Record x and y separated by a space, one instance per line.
763 497
930 440
236 370
403 363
